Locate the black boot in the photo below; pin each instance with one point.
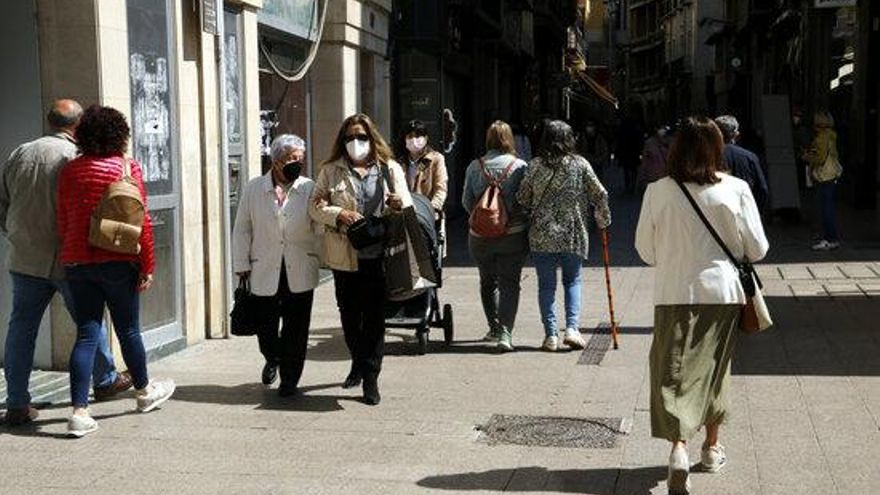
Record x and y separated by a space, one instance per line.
353 379
371 390
270 372
286 390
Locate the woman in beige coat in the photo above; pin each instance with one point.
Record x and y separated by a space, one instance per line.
425 167
351 185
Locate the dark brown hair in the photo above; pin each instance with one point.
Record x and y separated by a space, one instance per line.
379 149
695 155
499 137
102 131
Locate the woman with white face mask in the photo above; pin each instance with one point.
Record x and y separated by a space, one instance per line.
425 167
352 186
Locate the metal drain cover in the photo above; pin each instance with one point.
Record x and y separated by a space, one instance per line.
597 346
549 431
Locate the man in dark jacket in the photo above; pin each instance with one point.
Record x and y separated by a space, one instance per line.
741 162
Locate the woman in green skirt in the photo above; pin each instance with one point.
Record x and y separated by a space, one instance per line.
697 294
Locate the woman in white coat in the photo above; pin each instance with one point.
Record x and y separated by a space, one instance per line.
275 247
697 293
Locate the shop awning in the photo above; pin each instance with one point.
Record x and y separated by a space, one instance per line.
598 89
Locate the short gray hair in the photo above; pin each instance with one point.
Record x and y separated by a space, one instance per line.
729 126
284 144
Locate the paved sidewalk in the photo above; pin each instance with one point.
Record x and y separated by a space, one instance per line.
806 405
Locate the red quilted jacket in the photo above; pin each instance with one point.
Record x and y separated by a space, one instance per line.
81 184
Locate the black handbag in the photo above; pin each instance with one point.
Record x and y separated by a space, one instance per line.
245 316
366 232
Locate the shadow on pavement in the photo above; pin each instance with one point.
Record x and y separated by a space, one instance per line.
263 397
834 336
610 481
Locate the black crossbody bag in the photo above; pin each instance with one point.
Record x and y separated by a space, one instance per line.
370 229
755 316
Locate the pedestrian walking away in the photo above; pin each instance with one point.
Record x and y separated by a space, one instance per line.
499 259
28 182
558 189
100 278
350 188
275 247
594 147
653 162
742 163
697 293
825 169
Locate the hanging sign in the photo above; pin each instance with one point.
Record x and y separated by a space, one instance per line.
828 4
209 17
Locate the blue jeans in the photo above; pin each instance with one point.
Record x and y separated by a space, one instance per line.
825 193
545 266
30 297
94 287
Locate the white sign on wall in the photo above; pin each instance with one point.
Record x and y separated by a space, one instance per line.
827 4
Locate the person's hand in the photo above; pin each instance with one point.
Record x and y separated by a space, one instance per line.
348 217
144 281
394 201
244 275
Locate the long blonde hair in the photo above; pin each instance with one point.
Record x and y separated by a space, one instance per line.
379 149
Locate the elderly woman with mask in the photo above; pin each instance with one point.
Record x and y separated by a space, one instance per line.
275 247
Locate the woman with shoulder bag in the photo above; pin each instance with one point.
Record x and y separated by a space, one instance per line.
279 259
499 258
100 278
825 169
698 296
558 189
354 189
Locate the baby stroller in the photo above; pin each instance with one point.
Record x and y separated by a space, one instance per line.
419 309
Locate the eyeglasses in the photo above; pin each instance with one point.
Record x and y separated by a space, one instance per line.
359 137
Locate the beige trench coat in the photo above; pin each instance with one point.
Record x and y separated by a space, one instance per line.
333 193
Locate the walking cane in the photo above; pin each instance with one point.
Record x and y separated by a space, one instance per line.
608 287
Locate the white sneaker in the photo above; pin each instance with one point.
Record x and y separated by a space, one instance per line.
551 343
491 336
80 425
158 391
678 482
573 339
824 245
713 458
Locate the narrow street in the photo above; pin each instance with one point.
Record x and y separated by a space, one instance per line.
806 401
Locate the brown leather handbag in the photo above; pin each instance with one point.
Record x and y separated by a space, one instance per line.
118 219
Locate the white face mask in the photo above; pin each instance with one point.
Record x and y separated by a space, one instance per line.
357 150
416 144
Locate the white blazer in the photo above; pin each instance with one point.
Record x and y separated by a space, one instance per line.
265 233
691 267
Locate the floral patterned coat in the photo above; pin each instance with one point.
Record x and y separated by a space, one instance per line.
558 197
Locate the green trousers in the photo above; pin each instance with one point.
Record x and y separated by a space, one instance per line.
690 367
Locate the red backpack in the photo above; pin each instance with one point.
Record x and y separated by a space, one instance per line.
489 216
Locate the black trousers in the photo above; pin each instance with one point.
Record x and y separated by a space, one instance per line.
294 310
360 297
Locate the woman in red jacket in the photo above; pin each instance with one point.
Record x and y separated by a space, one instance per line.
100 278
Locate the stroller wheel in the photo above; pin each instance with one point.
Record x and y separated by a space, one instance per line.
448 326
422 336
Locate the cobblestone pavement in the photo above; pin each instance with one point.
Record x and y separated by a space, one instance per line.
805 401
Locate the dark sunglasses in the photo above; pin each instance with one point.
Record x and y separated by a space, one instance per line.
359 137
